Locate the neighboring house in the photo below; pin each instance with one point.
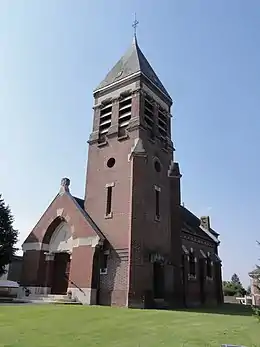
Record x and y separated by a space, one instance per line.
13 270
255 286
129 242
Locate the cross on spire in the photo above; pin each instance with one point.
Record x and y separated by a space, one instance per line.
134 25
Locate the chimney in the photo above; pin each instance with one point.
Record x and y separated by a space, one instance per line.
205 222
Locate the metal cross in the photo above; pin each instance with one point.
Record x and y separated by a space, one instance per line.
134 25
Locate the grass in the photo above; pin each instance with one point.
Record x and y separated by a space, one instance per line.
62 325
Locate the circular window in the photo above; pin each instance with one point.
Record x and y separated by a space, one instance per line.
157 166
111 162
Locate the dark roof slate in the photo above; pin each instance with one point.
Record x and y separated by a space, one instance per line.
79 201
131 62
194 222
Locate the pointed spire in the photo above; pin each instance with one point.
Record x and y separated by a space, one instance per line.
133 62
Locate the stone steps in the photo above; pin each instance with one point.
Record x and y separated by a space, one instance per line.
51 299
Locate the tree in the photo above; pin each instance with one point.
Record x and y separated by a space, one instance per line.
256 310
8 236
235 279
233 287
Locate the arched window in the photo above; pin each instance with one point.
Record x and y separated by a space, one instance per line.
209 267
192 264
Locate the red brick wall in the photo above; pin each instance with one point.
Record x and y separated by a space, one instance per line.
113 285
81 266
212 290
33 269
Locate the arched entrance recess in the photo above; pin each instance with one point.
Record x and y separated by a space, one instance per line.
59 257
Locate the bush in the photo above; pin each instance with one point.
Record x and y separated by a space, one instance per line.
256 313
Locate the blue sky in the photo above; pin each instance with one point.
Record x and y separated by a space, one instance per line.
55 52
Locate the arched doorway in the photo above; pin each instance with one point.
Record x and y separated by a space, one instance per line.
60 247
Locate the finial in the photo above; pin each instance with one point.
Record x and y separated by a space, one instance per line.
134 25
65 183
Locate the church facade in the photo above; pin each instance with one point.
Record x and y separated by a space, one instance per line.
129 242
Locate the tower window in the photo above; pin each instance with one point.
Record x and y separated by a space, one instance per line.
149 115
125 109
111 162
109 201
105 119
157 203
103 262
157 166
162 122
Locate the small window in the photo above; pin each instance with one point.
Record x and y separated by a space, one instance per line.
111 162
109 201
157 166
157 204
209 267
192 264
103 262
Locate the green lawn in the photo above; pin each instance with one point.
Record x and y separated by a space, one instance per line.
62 325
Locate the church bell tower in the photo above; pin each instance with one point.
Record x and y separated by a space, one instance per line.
130 161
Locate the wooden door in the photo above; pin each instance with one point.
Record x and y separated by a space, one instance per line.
61 273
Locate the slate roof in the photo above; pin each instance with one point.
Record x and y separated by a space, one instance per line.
194 222
131 62
79 201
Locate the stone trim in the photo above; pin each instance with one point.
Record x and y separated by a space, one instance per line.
112 184
60 211
185 250
86 241
138 73
87 296
35 246
137 149
49 256
203 254
210 235
157 188
92 241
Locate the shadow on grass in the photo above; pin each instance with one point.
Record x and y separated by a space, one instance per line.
225 309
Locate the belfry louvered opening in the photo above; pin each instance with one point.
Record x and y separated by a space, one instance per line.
162 122
124 116
105 119
149 114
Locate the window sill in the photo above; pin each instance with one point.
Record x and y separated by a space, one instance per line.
109 216
102 144
192 277
103 271
157 218
165 150
122 138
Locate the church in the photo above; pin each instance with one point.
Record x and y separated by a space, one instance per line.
130 242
